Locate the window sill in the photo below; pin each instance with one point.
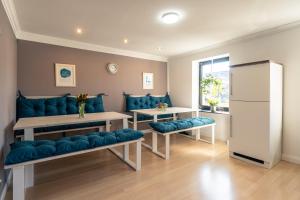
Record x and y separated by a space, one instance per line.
217 112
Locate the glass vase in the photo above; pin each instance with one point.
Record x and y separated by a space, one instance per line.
81 110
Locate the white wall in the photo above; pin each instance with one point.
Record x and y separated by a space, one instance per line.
282 47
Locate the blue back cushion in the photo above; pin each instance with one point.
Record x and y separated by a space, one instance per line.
72 106
133 103
56 106
94 105
30 107
154 101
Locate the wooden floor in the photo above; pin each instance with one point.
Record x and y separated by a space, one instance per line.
196 170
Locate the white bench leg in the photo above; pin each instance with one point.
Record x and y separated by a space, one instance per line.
154 142
19 183
167 143
213 134
126 152
138 156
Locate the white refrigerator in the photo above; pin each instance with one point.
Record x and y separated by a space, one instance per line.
256 112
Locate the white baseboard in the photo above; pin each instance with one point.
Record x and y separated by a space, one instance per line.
291 158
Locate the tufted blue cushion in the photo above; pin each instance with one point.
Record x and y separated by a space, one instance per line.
72 106
56 106
133 103
31 150
30 107
154 101
164 127
94 105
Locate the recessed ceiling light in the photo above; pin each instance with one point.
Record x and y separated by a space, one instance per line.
125 41
79 31
170 17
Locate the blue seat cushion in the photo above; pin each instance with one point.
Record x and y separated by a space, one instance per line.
31 150
164 127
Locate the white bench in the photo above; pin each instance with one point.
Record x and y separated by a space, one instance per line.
166 155
19 175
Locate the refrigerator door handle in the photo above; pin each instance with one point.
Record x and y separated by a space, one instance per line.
230 81
231 126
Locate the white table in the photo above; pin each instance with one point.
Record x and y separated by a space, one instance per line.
29 124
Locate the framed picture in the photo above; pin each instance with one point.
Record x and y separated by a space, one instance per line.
148 81
65 75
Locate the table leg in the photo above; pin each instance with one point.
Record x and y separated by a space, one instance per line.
134 121
125 123
174 116
154 137
107 126
29 169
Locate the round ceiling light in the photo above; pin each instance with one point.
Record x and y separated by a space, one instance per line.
170 17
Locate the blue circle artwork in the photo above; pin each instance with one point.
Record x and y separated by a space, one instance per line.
65 73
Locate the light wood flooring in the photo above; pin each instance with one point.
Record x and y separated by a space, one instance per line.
196 170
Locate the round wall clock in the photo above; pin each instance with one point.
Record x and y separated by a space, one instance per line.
112 68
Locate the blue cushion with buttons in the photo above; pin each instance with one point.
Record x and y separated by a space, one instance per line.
154 101
30 107
165 127
72 105
133 103
31 150
65 105
56 106
94 105
145 102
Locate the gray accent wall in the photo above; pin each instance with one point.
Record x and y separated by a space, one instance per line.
36 75
8 85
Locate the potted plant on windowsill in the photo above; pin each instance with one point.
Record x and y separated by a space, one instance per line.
212 88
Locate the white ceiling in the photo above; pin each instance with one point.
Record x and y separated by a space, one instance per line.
108 22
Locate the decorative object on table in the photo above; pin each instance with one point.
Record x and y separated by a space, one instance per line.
65 75
148 81
212 88
81 100
112 68
162 106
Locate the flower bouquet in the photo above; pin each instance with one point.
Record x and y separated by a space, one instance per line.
162 106
81 100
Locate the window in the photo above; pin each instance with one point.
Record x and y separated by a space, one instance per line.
218 68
